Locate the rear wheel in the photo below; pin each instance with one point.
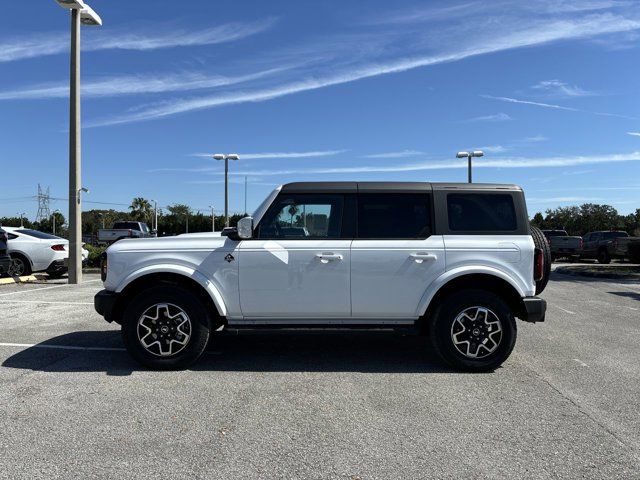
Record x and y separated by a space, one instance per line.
604 257
473 330
166 327
540 242
19 265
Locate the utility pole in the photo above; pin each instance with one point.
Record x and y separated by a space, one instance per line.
245 195
213 219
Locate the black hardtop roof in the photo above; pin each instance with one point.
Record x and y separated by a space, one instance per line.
352 187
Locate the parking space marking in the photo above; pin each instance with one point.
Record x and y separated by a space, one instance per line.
46 288
580 362
62 347
564 310
46 302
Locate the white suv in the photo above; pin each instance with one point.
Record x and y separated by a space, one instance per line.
457 262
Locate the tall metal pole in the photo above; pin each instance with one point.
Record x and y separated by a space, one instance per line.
155 208
213 221
75 182
226 191
53 218
245 195
469 158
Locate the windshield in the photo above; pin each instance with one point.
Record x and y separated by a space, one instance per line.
260 211
126 225
37 234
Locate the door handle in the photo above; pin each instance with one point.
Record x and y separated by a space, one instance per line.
328 257
421 257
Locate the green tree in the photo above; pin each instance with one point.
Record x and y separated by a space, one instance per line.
141 209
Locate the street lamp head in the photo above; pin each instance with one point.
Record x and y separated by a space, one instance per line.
233 156
462 154
89 17
75 4
218 156
83 189
478 153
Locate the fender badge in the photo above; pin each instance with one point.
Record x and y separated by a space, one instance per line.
229 258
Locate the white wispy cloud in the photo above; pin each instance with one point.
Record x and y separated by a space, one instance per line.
634 134
339 66
134 85
494 149
108 39
553 106
400 154
535 139
561 89
567 199
252 156
498 117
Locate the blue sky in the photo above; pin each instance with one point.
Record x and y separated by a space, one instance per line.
346 90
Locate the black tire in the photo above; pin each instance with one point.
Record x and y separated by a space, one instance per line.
443 322
20 265
603 256
198 331
54 275
540 241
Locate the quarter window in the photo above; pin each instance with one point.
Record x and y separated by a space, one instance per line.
397 215
481 212
302 216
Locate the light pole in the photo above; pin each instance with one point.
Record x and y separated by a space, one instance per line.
155 215
469 155
226 157
101 215
80 14
213 219
245 195
21 219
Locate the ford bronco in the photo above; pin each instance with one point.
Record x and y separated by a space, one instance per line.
457 263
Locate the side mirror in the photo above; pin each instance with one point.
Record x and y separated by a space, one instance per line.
245 228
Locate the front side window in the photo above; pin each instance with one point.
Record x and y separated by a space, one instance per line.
481 212
303 216
37 234
394 215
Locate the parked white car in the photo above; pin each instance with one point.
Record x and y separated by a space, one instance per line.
456 262
34 251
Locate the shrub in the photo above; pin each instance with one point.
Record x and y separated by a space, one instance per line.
94 255
634 251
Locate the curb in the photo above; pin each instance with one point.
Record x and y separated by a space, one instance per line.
610 275
24 279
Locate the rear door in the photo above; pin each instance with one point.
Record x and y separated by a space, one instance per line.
297 266
395 255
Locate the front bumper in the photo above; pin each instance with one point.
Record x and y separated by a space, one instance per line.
535 309
104 302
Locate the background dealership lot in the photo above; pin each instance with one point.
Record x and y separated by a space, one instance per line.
321 405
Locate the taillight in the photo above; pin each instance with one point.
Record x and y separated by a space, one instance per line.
103 266
615 243
58 248
538 264
130 233
581 243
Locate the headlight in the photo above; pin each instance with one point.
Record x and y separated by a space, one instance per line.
103 266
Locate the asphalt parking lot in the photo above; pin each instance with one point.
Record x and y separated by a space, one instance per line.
565 405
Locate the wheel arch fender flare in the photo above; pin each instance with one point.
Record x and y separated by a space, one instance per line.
185 271
456 273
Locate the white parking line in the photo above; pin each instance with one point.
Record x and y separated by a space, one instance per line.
564 310
46 288
62 347
580 362
46 302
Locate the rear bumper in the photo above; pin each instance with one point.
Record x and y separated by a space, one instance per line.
57 266
535 309
104 302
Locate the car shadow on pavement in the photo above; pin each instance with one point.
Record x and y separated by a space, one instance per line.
632 295
102 351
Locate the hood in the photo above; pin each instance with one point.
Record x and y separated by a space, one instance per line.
196 241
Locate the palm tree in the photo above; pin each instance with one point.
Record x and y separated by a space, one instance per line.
140 209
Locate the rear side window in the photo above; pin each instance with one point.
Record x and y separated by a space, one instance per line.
481 212
126 225
397 215
37 234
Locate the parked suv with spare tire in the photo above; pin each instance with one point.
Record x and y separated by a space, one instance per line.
455 262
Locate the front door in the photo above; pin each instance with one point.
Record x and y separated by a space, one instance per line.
297 267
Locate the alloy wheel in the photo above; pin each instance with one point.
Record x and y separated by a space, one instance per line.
17 267
164 329
476 332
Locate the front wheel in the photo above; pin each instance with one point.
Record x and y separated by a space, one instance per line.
19 265
166 327
603 257
473 330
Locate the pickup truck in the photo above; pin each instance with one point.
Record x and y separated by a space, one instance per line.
455 262
124 229
5 259
605 245
563 245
